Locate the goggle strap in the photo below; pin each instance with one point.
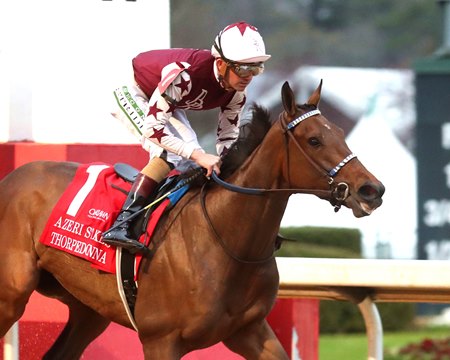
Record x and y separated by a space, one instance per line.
218 47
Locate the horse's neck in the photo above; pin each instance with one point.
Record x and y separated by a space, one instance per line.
253 221
264 167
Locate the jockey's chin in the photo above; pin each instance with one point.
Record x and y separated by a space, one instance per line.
242 85
238 83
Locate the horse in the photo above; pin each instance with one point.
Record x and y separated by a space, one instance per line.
213 276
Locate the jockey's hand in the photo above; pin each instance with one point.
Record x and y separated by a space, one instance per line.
208 161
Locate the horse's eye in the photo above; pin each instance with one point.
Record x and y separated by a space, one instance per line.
313 141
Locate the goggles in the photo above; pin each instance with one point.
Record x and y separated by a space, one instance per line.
245 70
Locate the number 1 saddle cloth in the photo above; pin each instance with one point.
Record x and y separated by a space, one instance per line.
86 209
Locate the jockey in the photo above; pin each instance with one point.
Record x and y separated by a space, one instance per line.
168 82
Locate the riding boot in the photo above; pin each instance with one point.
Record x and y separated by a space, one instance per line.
137 199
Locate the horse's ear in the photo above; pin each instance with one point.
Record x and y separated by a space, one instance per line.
288 97
314 99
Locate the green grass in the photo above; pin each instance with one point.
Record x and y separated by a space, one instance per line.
354 346
292 248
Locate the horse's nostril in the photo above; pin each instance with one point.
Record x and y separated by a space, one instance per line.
371 191
381 190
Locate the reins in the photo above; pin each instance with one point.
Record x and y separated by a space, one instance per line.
257 191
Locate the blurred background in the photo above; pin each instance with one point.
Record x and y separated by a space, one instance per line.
377 33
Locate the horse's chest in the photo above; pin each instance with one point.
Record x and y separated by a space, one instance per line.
237 297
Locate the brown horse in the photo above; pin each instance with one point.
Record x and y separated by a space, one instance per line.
213 276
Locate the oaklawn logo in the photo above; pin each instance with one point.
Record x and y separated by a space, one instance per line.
98 214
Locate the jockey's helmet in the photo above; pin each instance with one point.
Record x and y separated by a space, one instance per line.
240 43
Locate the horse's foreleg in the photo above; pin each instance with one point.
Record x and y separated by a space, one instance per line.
163 348
83 326
18 279
256 342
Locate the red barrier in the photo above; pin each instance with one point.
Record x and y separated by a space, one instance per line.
14 154
7 158
295 322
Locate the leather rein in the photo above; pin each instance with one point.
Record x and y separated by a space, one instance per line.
337 194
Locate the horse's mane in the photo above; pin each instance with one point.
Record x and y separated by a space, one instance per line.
251 133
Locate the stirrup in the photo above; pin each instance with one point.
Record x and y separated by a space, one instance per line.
132 246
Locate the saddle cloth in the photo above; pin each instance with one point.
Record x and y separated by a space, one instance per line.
87 208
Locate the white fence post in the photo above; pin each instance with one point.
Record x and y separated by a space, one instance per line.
11 344
374 329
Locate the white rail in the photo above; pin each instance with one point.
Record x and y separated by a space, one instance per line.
363 282
360 281
11 344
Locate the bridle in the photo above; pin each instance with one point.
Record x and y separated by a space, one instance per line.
339 191
337 194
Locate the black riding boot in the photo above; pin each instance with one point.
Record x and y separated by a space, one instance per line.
137 199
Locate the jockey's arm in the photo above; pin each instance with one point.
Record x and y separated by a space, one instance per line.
229 121
160 111
227 133
207 161
161 107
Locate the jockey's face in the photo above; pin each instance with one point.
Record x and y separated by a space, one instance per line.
231 79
